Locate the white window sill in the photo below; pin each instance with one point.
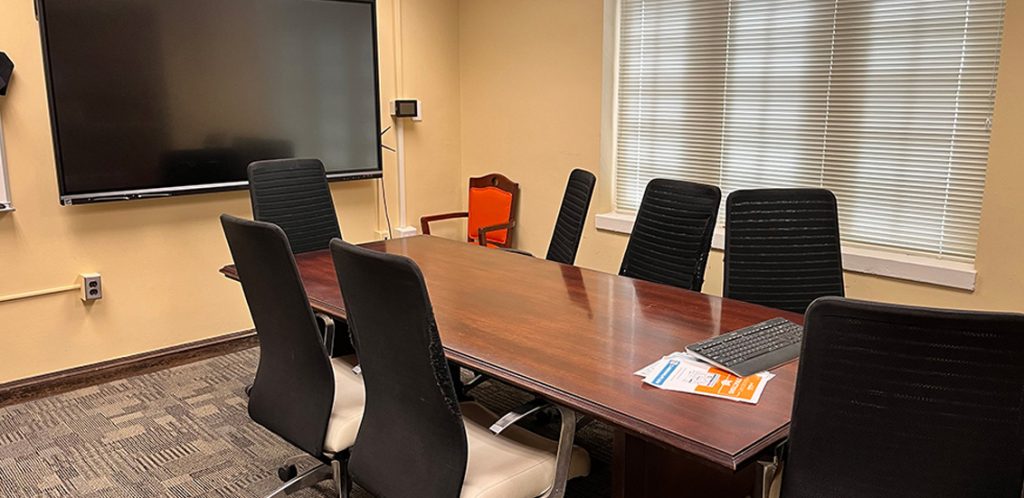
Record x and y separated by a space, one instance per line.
857 259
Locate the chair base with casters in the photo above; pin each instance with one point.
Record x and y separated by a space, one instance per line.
331 469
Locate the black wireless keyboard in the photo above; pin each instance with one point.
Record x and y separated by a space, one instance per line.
752 349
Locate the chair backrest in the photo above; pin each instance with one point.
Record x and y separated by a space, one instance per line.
572 216
492 201
672 234
901 401
294 195
782 247
412 441
293 392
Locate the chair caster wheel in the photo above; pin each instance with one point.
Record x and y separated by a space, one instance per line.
287 472
248 389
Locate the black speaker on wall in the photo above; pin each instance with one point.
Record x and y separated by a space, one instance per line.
6 70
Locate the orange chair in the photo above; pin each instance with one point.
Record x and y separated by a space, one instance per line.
491 215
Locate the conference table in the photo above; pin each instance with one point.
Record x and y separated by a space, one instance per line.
575 336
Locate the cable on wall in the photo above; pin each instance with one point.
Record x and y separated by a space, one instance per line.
384 190
41 292
387 216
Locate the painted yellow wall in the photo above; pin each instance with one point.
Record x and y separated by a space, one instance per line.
430 72
159 258
531 80
531 103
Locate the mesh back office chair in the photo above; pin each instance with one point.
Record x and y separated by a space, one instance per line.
782 247
416 439
672 234
300 394
491 218
910 402
294 195
572 216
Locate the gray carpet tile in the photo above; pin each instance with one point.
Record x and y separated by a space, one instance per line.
184 432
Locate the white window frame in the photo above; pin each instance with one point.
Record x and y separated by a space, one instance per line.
868 260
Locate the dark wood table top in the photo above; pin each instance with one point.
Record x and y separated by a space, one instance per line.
576 336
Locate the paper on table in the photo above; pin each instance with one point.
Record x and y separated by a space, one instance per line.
683 373
644 372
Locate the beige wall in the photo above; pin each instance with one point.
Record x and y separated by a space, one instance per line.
531 103
531 79
430 72
159 258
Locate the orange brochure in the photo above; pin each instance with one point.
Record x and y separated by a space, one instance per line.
683 373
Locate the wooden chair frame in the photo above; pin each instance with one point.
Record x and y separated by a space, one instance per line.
492 180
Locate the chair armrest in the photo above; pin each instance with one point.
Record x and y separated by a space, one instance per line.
518 413
769 472
566 437
474 382
327 328
517 251
482 231
326 325
425 221
563 457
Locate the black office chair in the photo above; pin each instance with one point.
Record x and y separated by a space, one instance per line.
300 394
910 402
572 216
417 439
294 195
672 234
782 247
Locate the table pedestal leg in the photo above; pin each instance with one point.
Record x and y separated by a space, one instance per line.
646 470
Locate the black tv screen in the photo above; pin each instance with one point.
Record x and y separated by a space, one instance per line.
158 97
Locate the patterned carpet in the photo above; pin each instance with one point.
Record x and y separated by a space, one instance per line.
184 432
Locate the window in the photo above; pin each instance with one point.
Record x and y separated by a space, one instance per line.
885 102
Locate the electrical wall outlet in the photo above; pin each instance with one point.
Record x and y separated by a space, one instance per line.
383 235
92 286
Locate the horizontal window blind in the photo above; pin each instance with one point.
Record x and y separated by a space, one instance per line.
885 102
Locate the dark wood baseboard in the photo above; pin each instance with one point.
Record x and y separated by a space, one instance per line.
50 384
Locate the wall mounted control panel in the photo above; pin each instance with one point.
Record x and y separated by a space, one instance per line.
406 108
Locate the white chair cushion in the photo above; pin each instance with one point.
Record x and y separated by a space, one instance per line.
516 464
349 398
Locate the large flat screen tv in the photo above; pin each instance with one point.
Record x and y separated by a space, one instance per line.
150 98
